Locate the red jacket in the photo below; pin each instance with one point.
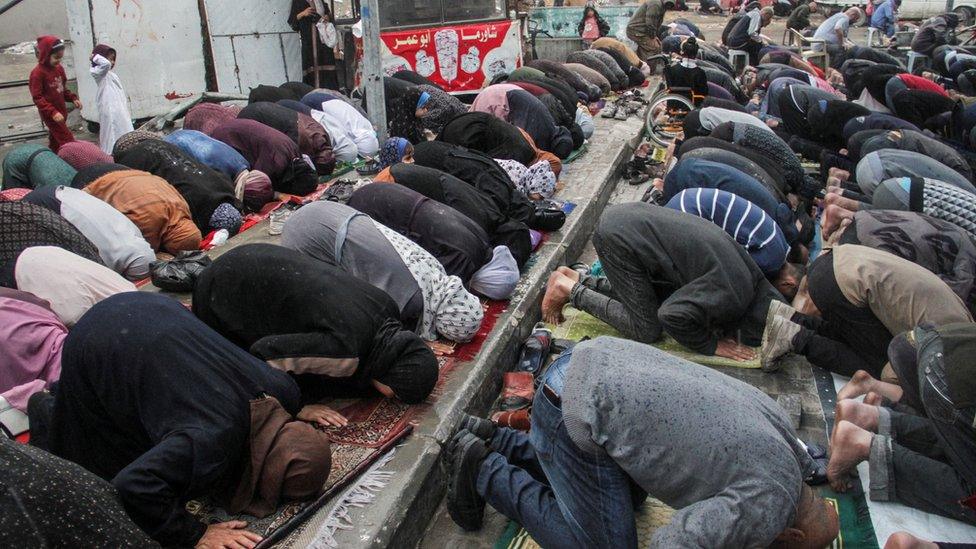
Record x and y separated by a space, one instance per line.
918 83
48 85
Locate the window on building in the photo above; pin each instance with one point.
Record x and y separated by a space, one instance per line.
415 13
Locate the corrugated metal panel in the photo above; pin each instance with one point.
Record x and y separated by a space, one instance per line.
252 43
247 17
293 56
259 60
225 65
160 54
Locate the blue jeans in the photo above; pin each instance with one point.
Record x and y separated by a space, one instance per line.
561 495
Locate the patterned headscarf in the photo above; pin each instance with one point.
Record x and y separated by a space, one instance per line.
207 116
81 154
393 151
539 179
226 216
131 139
253 189
449 309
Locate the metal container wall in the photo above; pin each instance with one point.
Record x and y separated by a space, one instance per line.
252 43
161 60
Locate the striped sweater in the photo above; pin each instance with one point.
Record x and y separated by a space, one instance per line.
745 222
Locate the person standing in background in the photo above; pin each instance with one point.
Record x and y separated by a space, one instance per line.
643 28
309 18
592 26
49 90
114 119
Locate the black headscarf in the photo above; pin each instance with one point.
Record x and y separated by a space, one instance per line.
453 192
203 188
297 89
401 109
478 170
291 310
277 116
296 106
459 243
489 134
91 173
270 94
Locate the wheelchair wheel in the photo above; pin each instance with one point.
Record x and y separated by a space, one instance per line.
671 110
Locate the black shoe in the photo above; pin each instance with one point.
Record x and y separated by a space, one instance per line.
477 426
547 219
465 506
40 408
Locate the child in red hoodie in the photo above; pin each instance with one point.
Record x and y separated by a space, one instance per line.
48 87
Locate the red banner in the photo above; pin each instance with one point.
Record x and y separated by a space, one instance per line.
457 58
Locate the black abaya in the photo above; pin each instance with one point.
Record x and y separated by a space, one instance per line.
459 243
322 75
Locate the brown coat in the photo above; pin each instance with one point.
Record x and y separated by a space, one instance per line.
153 205
900 293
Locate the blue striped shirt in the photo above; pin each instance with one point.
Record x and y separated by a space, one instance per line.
745 222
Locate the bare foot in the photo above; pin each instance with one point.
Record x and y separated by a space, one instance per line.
904 540
658 184
850 445
838 200
863 415
557 296
861 383
571 273
834 189
833 181
872 398
832 217
843 175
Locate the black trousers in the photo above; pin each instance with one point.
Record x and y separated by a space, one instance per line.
847 338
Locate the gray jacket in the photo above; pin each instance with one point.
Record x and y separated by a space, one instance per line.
719 451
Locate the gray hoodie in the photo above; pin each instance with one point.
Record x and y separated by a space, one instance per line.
719 451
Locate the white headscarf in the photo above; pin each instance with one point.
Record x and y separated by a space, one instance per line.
69 282
497 279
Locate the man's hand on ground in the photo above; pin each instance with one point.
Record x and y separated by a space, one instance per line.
228 535
728 348
323 415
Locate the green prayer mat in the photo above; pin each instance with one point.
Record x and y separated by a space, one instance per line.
342 168
579 324
856 531
576 154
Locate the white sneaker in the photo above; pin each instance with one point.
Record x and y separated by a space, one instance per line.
777 342
778 308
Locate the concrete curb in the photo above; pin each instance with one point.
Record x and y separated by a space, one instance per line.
401 512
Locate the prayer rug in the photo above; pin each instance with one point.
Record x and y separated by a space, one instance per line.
856 531
579 324
576 154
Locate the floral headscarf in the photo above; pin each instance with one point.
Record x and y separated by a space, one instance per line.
393 151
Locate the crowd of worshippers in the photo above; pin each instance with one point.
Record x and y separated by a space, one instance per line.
827 212
150 396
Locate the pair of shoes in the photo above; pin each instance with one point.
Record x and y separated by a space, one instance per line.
622 113
464 455
547 219
478 426
777 341
609 111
